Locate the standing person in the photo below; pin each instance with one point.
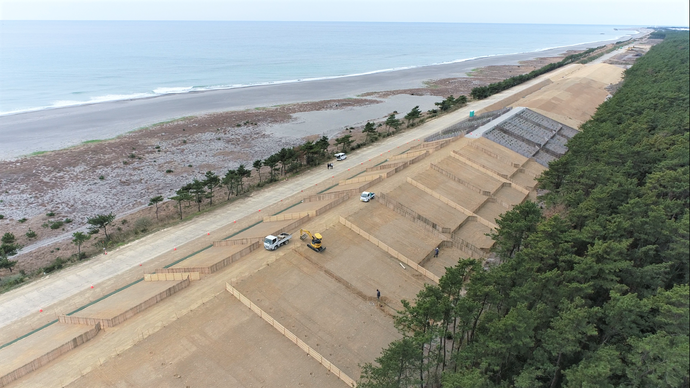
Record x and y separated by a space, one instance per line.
436 252
378 295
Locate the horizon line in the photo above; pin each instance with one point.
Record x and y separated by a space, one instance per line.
333 21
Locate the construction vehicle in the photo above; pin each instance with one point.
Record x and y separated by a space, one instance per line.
272 242
316 238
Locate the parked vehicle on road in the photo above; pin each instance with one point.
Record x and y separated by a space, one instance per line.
340 156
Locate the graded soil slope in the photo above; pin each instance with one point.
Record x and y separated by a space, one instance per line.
574 97
301 301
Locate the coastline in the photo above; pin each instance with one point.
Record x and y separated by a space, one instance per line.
166 91
79 181
30 132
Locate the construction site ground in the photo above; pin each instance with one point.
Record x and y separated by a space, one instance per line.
204 336
575 93
209 256
418 200
124 300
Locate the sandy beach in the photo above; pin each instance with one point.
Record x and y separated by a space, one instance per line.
222 130
26 133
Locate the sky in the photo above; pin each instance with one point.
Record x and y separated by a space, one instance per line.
608 12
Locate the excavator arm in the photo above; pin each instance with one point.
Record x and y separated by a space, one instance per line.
315 240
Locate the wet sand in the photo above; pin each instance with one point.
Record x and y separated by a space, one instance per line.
52 129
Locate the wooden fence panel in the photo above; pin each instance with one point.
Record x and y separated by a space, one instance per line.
292 337
50 356
387 249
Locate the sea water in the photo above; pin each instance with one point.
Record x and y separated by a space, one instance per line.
48 64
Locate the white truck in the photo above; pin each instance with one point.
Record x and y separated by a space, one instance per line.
272 242
367 196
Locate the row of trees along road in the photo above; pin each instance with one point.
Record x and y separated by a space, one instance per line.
592 290
285 161
482 92
8 247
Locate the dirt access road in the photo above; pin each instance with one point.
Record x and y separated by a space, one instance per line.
50 290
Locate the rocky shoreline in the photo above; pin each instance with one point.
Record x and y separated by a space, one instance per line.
121 175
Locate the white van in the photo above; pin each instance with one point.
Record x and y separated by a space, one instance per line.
340 156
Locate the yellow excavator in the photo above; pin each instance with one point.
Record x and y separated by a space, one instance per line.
316 238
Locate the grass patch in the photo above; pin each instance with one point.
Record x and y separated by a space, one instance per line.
10 282
431 85
183 118
94 141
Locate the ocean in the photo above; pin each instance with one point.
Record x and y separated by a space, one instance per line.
50 64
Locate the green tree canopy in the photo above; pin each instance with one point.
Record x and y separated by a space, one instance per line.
156 201
413 114
345 141
211 181
101 221
257 166
180 196
592 290
78 239
392 122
